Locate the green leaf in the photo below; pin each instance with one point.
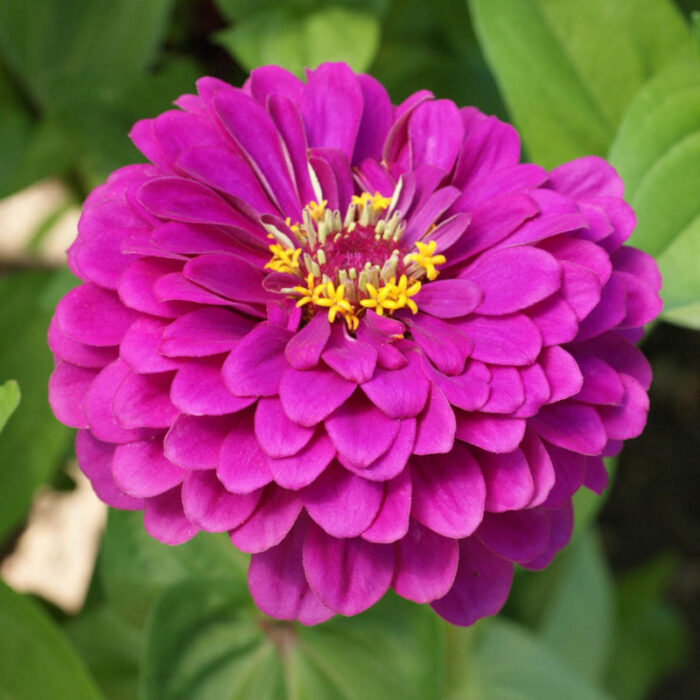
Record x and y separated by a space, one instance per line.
111 648
651 637
34 443
101 42
9 400
207 640
568 70
134 568
578 620
657 151
510 663
298 42
36 660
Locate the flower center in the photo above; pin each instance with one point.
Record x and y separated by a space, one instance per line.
354 262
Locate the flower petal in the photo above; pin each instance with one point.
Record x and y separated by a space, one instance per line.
141 470
348 575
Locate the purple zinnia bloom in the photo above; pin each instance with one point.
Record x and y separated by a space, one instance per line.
365 340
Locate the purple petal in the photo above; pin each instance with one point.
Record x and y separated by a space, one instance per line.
503 340
98 406
492 433
309 397
68 387
198 390
348 427
571 425
77 353
590 176
210 507
242 466
426 565
377 115
301 469
180 199
274 517
348 575
444 344
519 536
304 349
561 526
628 420
143 401
229 276
276 433
141 470
94 316
536 390
509 483
391 524
95 461
639 264
332 105
541 467
394 460
278 585
448 493
141 344
255 134
513 278
507 393
436 425
490 146
563 374
427 214
435 134
340 502
165 520
555 320
469 390
351 358
195 442
222 170
449 298
400 393
481 585
601 383
255 366
204 332
570 470
273 80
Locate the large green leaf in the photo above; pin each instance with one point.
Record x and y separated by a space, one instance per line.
568 70
134 568
305 41
36 660
111 648
9 400
578 620
207 640
49 44
511 663
657 152
651 638
33 443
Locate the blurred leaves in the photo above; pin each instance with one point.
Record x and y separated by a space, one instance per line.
657 152
207 640
511 663
9 400
33 443
134 568
298 42
568 70
651 637
36 660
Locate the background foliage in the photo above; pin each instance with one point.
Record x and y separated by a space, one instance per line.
619 78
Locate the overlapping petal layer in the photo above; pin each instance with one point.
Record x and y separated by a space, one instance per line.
425 452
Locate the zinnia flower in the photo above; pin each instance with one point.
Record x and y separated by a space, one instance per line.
364 340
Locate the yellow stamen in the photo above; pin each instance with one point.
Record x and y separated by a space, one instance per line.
317 209
392 296
377 201
426 259
284 259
